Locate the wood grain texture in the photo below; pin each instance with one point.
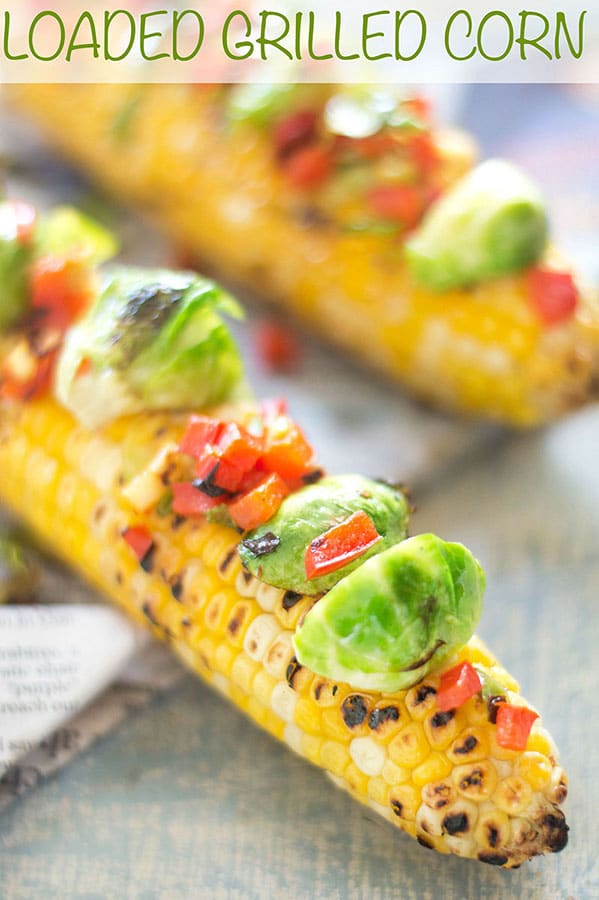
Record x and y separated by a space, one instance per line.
189 799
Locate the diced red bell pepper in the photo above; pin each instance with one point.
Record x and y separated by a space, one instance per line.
398 203
513 726
139 539
189 501
278 347
220 472
553 295
424 153
308 167
294 131
287 451
24 217
260 504
200 432
457 686
60 288
418 106
340 545
238 447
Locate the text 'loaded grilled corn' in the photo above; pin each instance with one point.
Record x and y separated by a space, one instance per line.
298 596
350 208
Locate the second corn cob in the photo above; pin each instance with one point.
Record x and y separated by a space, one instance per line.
441 777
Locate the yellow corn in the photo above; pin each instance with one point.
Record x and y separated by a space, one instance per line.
438 776
482 351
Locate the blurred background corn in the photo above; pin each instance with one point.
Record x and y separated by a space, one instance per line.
482 351
440 776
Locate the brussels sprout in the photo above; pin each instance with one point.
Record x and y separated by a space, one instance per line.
490 223
308 513
387 624
152 340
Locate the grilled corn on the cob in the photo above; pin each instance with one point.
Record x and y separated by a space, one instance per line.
482 351
440 776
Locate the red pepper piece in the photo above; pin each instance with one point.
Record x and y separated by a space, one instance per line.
60 288
287 451
189 501
139 539
220 472
238 447
375 146
260 504
419 107
457 685
294 131
308 167
513 726
553 295
398 203
340 545
278 347
423 152
200 432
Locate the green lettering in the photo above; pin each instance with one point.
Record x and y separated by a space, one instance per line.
265 42
367 36
91 44
450 23
47 14
311 48
510 30
561 25
239 44
177 19
148 36
523 41
400 18
109 18
7 54
338 52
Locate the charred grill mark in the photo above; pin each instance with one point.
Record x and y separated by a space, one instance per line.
226 562
474 779
148 613
99 513
354 710
147 561
492 836
208 486
440 719
493 859
160 432
292 669
455 824
424 842
247 576
493 704
237 621
424 691
176 587
441 795
378 717
177 522
335 689
290 598
397 808
118 578
318 690
313 476
467 747
186 622
554 825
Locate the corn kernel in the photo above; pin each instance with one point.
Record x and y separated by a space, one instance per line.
434 768
409 748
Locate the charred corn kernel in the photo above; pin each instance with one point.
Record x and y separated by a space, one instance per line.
475 781
434 767
410 747
404 800
535 769
513 795
291 607
395 752
481 351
